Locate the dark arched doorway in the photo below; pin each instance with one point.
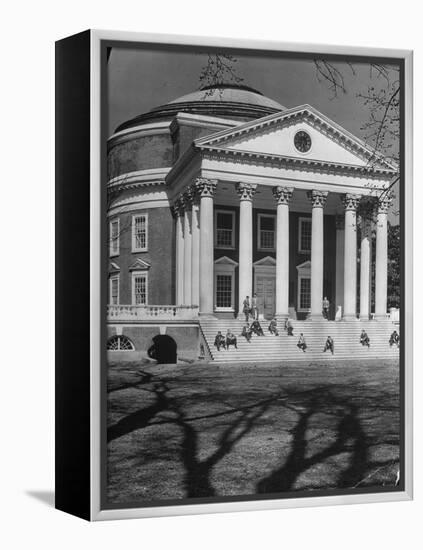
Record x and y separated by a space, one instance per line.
164 349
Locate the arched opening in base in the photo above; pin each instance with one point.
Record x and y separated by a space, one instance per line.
164 349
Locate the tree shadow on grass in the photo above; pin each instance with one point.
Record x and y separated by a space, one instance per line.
299 460
141 418
197 472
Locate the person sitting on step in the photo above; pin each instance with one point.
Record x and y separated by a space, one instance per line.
289 328
302 343
219 341
273 327
231 339
394 339
364 339
256 328
329 344
246 332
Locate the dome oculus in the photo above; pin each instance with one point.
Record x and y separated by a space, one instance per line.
302 142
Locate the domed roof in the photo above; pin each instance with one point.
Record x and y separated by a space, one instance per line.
230 101
230 93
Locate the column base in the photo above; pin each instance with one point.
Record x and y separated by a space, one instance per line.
380 316
364 317
350 317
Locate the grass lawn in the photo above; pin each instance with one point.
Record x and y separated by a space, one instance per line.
210 430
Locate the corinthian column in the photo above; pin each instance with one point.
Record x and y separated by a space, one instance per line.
178 211
195 250
246 192
318 200
350 203
365 262
381 282
206 189
283 196
187 198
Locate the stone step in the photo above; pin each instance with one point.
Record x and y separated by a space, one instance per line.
346 336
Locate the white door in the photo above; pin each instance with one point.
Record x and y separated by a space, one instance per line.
265 290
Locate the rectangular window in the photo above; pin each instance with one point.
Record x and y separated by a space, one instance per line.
223 291
139 232
139 289
266 232
305 293
114 290
114 237
225 222
304 235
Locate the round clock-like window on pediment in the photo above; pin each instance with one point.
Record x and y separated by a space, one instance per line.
302 141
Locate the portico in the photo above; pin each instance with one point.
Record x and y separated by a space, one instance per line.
236 197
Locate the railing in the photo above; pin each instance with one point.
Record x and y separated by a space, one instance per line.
150 313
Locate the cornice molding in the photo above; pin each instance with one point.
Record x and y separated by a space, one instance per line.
141 178
294 162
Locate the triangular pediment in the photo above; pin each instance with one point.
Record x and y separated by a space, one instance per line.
267 261
224 260
139 265
305 267
275 135
113 267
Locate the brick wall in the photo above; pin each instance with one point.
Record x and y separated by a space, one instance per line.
160 254
140 154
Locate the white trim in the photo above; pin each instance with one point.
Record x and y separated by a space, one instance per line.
232 213
133 239
261 215
149 175
300 230
225 266
114 252
155 127
303 272
114 277
135 274
299 279
201 120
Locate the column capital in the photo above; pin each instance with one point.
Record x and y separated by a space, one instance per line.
383 204
317 198
282 195
350 201
178 208
246 191
188 198
205 187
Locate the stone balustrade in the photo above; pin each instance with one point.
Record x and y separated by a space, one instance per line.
151 312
